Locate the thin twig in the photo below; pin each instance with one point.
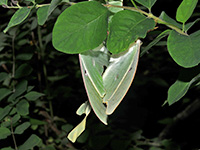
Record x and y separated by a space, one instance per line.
13 135
149 15
179 117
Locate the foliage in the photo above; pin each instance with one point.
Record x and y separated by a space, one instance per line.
36 79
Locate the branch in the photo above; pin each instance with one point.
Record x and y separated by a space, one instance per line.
150 15
189 110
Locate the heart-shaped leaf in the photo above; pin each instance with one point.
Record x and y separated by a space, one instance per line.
185 50
81 27
126 27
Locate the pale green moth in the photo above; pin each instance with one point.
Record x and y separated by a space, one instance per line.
119 76
109 86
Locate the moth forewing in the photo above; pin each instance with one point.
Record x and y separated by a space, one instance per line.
94 62
95 99
119 75
121 91
92 71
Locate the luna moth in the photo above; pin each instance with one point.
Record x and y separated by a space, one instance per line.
108 85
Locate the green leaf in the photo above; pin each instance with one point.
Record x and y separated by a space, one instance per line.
190 24
155 41
4 111
24 56
4 92
184 49
33 1
30 143
155 148
146 3
187 78
15 118
53 5
42 14
20 89
7 148
23 107
10 120
76 132
67 127
3 76
22 127
33 95
119 75
126 27
185 10
95 99
3 2
4 133
23 70
19 16
37 122
169 20
80 27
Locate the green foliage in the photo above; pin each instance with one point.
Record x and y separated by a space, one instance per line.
146 3
42 14
187 78
81 25
33 95
4 132
3 2
31 142
19 16
126 27
184 49
185 10
21 128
